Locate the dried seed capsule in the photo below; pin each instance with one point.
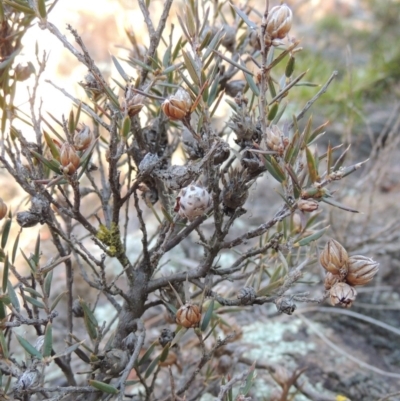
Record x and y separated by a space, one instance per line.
342 294
279 22
307 205
331 280
334 258
275 139
3 209
361 270
188 316
193 201
235 192
77 309
69 159
83 138
177 106
247 295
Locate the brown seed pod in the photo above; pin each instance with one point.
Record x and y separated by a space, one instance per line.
83 138
342 294
69 159
192 201
188 316
307 205
331 280
361 270
279 22
334 258
177 106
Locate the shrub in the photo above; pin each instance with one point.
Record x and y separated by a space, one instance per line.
108 166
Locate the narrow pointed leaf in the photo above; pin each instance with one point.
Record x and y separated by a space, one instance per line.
207 316
339 205
57 300
105 388
42 8
151 367
48 340
29 348
35 302
6 233
244 17
119 68
5 274
191 67
47 283
32 292
13 296
147 354
50 143
313 237
3 345
312 168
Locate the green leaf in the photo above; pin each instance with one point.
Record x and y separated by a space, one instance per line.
312 167
53 148
119 68
126 127
244 17
273 111
250 82
151 367
48 340
47 283
147 354
164 353
51 164
179 334
6 232
207 316
3 345
249 380
32 291
30 262
191 67
105 388
13 296
5 274
35 302
89 319
313 237
42 8
70 349
29 348
290 67
57 300
332 202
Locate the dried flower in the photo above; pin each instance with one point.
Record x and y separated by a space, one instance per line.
342 294
275 139
188 316
133 102
307 205
286 306
83 138
193 201
361 270
331 280
166 337
334 258
279 22
247 295
235 191
69 159
77 309
3 209
177 106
